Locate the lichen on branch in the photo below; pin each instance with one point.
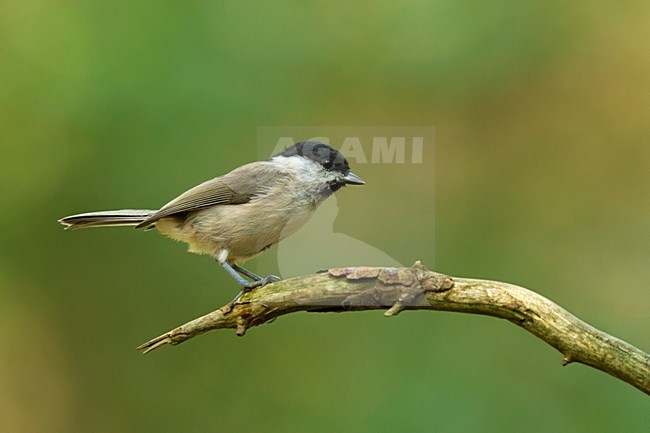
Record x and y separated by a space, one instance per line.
417 288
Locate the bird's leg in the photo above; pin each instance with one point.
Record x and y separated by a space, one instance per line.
245 272
234 270
243 282
246 286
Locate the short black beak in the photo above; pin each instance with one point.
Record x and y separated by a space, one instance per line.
352 179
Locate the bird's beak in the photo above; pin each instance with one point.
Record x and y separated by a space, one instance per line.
352 179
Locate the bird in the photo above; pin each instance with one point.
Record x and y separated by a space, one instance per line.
237 216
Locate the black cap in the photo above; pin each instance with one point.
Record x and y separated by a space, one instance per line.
321 153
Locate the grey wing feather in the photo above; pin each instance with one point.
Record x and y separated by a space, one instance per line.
236 187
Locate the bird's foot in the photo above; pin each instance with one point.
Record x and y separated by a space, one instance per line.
261 282
248 287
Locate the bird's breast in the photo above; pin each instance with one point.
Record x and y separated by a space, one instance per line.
244 230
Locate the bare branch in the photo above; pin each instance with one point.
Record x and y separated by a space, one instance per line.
416 288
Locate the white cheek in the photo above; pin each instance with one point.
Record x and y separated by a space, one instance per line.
310 180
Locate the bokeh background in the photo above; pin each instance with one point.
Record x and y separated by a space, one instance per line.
539 177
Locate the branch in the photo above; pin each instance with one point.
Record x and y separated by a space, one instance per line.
416 288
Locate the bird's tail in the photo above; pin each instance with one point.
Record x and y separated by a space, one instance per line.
125 217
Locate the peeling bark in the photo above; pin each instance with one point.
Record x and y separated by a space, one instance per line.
417 288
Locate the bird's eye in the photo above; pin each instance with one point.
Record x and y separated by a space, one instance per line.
327 164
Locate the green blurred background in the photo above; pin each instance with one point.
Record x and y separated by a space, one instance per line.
541 112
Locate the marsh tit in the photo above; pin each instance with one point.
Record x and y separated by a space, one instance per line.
236 216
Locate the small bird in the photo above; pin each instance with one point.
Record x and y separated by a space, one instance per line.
237 216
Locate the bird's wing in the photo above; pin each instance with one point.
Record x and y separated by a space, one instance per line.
236 187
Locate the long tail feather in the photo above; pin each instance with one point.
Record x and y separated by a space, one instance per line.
125 217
